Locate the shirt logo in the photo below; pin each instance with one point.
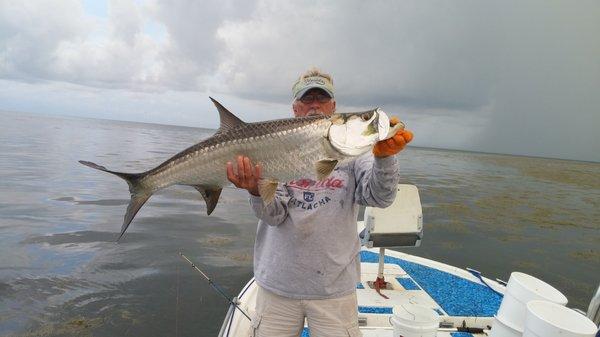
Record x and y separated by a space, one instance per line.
309 196
330 183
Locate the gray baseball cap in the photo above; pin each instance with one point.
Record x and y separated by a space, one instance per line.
312 82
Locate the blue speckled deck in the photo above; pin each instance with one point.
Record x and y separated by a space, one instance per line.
407 283
455 295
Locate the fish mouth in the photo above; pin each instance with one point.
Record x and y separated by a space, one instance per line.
384 129
355 133
382 124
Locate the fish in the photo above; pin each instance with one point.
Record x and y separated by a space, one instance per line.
286 149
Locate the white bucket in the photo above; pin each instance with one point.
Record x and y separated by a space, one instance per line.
501 329
411 320
546 319
522 288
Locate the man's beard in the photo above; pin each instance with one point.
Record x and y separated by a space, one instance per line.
314 112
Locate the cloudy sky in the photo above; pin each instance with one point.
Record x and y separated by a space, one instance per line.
519 77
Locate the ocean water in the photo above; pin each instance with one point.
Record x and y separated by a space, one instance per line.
62 274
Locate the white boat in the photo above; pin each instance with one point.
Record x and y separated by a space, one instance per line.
396 287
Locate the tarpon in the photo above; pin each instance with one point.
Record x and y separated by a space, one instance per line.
286 149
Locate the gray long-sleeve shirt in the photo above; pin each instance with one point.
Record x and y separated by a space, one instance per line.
306 243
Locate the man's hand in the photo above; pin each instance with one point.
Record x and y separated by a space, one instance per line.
247 176
391 146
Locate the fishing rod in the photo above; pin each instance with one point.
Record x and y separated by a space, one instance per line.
214 285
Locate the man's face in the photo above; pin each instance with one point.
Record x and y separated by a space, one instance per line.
314 102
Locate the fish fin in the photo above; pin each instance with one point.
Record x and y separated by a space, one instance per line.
137 201
139 194
266 189
127 176
228 119
325 167
210 195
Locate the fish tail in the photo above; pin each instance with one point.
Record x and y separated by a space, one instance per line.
139 193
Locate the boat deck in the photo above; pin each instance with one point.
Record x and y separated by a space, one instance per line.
460 298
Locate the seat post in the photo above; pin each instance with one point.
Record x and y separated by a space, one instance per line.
380 282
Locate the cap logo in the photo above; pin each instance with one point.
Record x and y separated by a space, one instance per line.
316 80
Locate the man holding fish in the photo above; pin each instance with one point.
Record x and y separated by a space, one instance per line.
306 254
312 172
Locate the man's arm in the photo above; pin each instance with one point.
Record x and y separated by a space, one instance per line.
248 177
376 180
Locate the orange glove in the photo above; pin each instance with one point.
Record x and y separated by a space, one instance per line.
391 146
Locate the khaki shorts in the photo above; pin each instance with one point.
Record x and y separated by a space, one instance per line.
278 316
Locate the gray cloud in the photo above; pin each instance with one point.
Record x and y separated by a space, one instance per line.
58 41
192 26
546 98
488 76
30 32
416 53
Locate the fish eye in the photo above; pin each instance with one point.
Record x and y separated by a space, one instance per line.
365 117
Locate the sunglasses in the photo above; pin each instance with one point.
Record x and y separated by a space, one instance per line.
306 99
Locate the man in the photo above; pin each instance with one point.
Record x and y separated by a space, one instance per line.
306 254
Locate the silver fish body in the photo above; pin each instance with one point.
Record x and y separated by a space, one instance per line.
285 149
307 147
